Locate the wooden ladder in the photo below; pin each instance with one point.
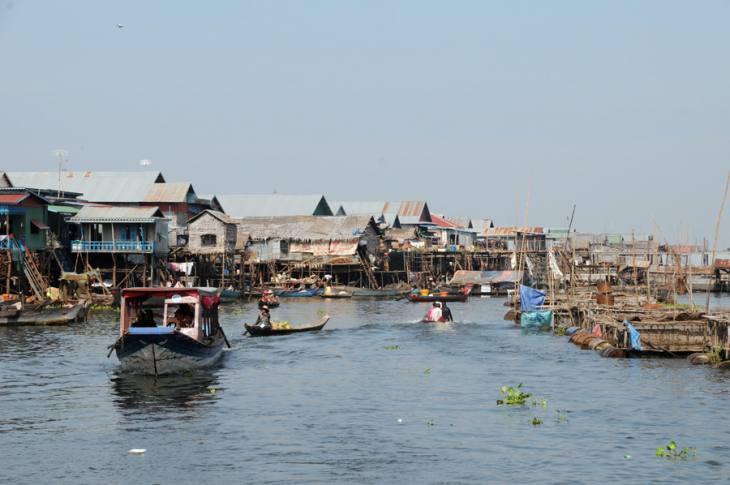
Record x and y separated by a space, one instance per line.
365 262
34 276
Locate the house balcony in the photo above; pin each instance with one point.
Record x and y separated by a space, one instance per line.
112 247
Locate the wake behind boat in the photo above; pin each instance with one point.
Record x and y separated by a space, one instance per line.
169 330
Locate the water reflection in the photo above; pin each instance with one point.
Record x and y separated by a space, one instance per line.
184 391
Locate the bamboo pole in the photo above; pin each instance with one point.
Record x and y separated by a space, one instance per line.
717 235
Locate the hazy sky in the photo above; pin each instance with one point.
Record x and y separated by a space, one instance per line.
622 108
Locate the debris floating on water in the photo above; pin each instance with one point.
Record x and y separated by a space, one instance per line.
136 451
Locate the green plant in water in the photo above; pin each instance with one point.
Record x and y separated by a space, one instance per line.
513 396
427 371
542 402
536 421
561 416
392 347
715 356
673 453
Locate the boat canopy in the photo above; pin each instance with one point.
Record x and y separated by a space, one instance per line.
209 297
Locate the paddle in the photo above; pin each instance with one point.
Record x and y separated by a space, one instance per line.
225 339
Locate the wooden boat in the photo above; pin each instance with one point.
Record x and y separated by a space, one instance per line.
230 295
441 296
45 316
305 293
375 293
255 331
269 303
153 339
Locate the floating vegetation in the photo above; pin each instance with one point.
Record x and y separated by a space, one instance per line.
561 416
513 396
715 356
542 402
430 422
427 371
392 347
673 453
536 421
560 330
105 308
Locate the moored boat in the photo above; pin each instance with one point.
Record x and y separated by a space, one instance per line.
169 330
230 294
279 329
415 296
44 315
303 293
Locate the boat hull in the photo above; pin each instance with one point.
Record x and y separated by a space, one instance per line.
48 316
299 293
166 354
255 331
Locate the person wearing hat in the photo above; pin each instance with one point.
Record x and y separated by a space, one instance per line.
264 319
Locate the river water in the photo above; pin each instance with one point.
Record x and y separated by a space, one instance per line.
374 398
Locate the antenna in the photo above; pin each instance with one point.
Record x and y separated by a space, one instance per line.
62 157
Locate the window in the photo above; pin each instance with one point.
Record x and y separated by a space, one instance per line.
207 240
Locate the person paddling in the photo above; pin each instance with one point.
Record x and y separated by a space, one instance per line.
263 321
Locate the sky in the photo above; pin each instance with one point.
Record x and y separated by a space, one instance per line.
510 110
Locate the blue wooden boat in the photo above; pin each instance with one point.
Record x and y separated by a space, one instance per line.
230 295
305 293
169 330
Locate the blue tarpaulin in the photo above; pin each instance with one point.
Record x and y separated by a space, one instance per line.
537 320
634 336
530 298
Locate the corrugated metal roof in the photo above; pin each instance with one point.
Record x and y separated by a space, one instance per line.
175 192
304 228
480 225
63 209
224 218
443 222
95 186
412 208
12 199
352 208
272 205
510 231
96 213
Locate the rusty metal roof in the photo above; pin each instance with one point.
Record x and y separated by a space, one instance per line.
175 192
510 231
305 228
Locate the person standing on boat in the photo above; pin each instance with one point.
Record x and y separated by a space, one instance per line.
264 319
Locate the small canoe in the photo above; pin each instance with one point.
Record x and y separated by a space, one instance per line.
270 304
255 331
417 297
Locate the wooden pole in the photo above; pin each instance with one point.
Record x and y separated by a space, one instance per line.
717 235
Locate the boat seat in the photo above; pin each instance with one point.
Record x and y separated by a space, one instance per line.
150 330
